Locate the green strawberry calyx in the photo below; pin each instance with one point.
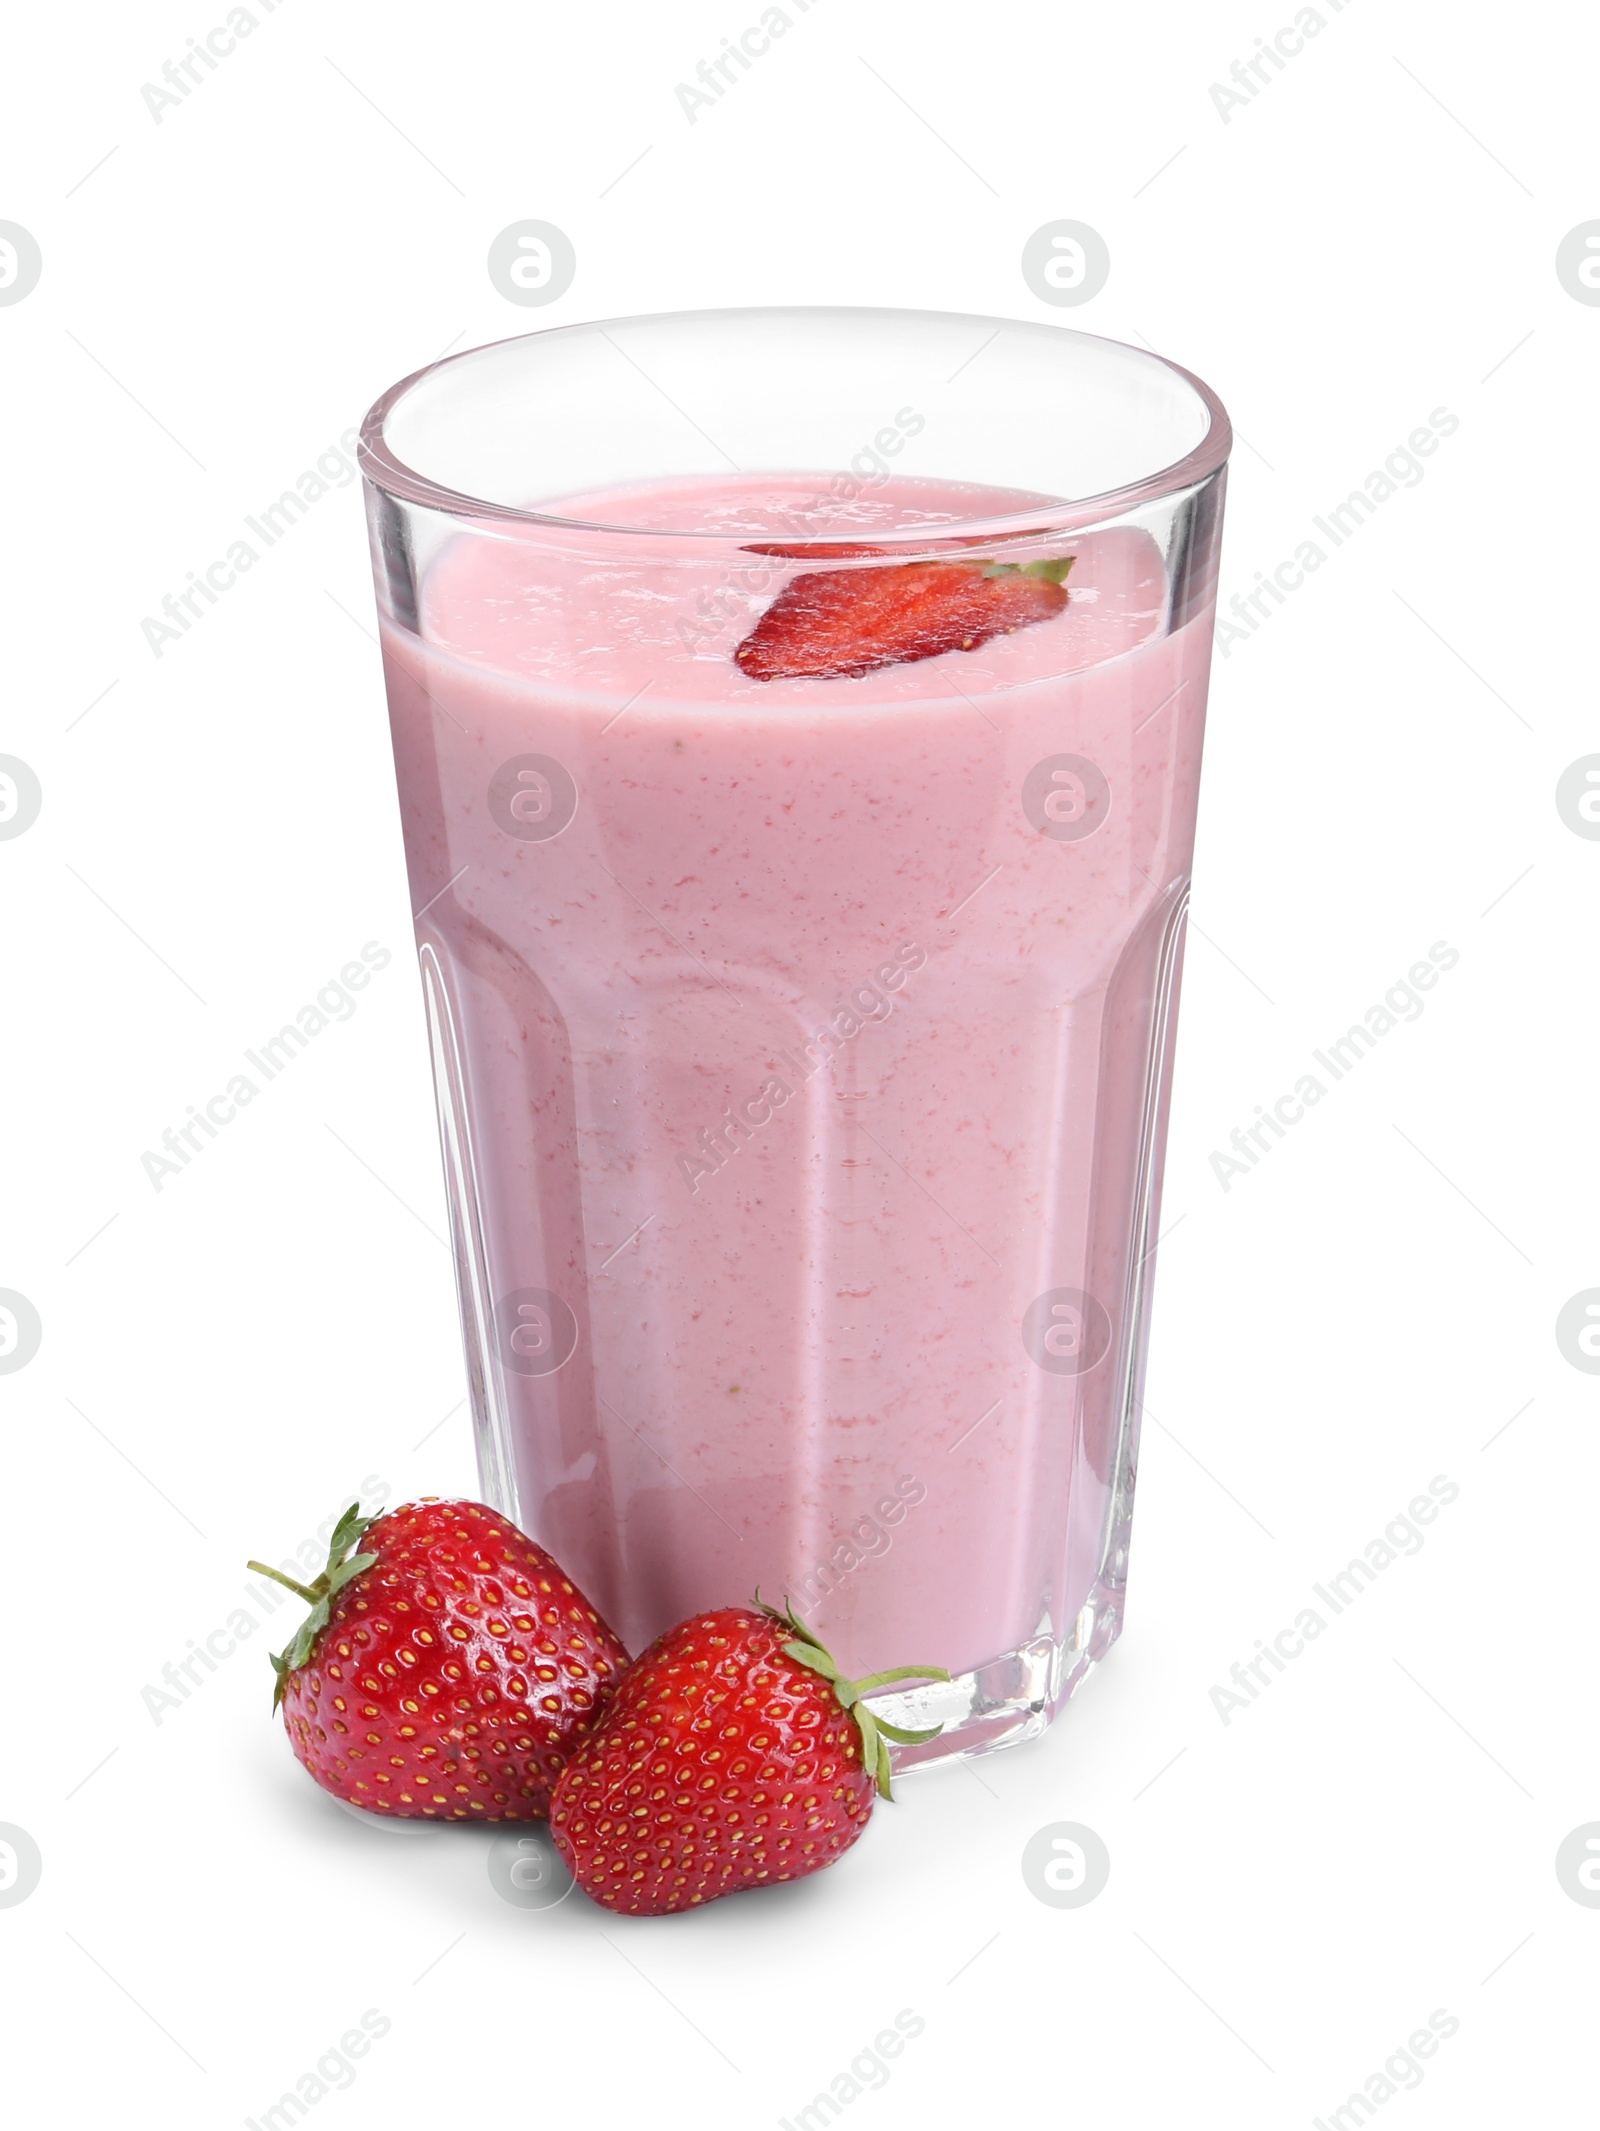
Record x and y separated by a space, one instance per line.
319 1595
1053 570
809 1650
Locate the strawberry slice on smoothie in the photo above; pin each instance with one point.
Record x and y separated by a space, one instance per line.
852 621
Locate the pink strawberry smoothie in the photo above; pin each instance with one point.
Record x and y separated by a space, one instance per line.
800 1061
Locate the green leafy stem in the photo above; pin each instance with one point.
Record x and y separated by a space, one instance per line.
808 1649
319 1596
1053 570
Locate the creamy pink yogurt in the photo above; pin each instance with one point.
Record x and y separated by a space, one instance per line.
805 988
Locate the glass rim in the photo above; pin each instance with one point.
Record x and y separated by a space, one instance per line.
388 473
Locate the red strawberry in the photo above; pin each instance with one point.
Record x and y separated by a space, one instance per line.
850 621
445 1672
731 1756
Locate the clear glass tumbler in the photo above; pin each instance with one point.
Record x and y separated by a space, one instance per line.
797 721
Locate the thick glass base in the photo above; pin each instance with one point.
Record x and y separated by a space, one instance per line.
1010 1699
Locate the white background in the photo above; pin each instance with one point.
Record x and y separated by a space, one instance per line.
223 1363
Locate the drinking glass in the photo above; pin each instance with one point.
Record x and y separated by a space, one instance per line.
802 1038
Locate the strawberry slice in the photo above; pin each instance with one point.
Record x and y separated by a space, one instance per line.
852 621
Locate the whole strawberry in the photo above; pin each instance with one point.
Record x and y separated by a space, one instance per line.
447 1671
731 1756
